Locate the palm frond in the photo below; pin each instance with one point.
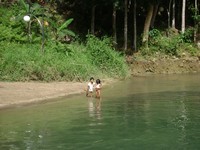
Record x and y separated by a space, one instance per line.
69 32
65 24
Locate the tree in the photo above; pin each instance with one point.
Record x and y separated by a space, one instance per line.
183 17
171 3
134 25
35 11
117 5
114 28
147 24
169 13
125 24
173 14
106 17
196 20
155 11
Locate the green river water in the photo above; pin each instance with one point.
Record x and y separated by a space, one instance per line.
142 113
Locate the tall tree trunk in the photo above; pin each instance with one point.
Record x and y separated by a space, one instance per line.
169 14
173 14
114 26
93 20
125 24
183 17
147 23
154 15
178 14
134 25
195 22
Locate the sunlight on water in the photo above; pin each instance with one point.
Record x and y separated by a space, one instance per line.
157 112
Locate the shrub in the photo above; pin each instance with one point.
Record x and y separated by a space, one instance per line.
11 25
189 48
163 44
171 45
103 56
187 37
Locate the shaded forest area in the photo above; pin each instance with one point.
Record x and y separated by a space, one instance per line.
121 18
128 22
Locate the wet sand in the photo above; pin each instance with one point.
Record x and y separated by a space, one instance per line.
21 93
13 93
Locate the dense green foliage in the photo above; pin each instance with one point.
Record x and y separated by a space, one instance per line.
171 42
22 62
11 28
102 55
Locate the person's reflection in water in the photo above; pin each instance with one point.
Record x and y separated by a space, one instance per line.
91 107
98 108
94 107
98 98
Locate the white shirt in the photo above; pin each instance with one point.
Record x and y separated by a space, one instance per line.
91 86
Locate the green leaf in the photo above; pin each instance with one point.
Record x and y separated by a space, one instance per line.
69 32
65 24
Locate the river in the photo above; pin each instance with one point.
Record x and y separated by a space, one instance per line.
155 112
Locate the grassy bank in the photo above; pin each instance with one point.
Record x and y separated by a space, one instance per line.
61 62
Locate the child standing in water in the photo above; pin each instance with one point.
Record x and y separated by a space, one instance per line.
98 88
90 87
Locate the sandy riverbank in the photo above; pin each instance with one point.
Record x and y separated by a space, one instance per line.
15 93
12 93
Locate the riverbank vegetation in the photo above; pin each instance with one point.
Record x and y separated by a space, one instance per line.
70 40
75 61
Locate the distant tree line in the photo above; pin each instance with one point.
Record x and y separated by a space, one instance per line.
128 22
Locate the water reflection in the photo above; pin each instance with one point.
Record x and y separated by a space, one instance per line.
181 119
91 107
94 107
144 113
